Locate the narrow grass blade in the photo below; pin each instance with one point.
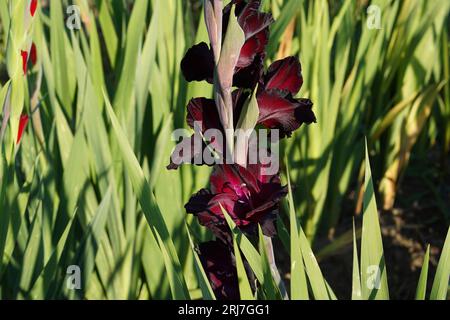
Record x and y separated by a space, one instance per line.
41 287
299 286
315 277
422 285
373 267
250 253
176 284
205 286
91 242
441 279
245 289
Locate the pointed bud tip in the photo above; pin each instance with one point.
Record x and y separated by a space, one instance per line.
24 55
33 7
22 125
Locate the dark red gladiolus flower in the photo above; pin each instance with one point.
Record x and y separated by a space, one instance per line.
220 268
204 111
33 7
22 125
277 106
278 109
33 54
198 63
24 55
249 195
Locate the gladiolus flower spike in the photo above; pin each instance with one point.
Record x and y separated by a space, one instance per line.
249 194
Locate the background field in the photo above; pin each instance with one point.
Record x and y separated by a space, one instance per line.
87 184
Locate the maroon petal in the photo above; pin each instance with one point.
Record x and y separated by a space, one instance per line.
207 207
270 196
247 194
198 63
252 20
219 266
233 179
285 75
249 76
283 112
256 28
260 173
268 224
229 184
215 254
253 47
201 116
204 111
199 202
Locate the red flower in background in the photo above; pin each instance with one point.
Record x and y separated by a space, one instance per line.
33 54
249 195
33 7
22 125
24 55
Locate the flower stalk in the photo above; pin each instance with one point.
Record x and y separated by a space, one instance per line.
213 19
226 58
